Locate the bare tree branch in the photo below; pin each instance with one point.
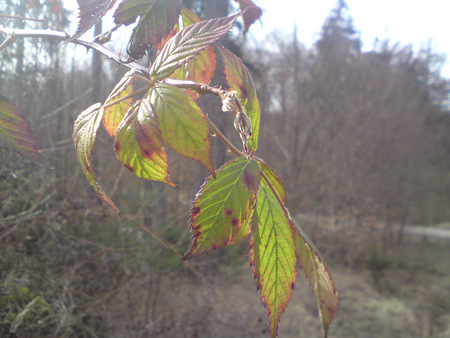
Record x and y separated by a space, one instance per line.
48 33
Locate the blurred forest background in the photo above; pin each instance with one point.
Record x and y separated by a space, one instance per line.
361 140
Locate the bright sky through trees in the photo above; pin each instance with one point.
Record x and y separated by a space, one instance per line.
416 23
405 21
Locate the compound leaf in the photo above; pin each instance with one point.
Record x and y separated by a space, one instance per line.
187 43
223 205
139 145
272 255
156 19
90 12
16 132
84 135
238 77
318 275
182 123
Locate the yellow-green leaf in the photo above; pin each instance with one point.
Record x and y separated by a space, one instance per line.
272 255
84 134
222 206
114 115
182 123
139 145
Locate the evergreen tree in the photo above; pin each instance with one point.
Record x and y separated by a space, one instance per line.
338 34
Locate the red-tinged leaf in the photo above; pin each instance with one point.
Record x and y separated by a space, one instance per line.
244 231
272 255
187 43
139 145
90 12
201 68
251 12
156 19
182 123
238 77
274 181
84 135
114 115
318 275
222 206
16 133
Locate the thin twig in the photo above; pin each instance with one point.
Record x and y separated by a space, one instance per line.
223 138
48 33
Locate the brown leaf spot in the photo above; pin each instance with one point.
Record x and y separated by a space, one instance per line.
234 222
147 153
195 211
228 212
249 180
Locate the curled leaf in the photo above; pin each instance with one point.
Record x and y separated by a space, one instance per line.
318 275
84 134
238 78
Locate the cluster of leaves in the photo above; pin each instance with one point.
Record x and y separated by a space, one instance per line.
244 197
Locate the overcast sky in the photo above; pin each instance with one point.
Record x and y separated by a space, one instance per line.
415 22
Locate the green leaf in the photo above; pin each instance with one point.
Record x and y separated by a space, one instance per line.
156 19
274 180
16 132
238 77
139 145
318 275
272 255
187 43
182 123
84 135
114 115
223 205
